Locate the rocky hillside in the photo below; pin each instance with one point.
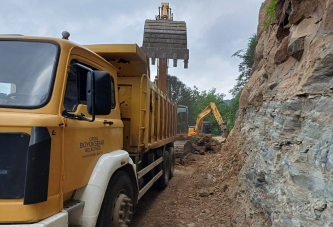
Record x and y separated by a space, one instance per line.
285 121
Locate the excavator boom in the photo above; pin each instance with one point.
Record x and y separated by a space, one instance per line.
201 116
165 39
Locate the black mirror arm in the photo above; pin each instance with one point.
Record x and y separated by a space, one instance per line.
81 116
93 99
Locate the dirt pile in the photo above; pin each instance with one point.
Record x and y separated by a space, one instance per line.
202 144
202 192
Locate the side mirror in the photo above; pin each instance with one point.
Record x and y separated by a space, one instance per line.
100 93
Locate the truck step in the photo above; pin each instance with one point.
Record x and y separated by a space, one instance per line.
71 205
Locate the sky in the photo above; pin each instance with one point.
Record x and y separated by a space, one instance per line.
216 29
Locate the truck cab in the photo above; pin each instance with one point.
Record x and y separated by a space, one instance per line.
52 131
84 133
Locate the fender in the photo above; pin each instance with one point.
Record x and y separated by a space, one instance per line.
93 193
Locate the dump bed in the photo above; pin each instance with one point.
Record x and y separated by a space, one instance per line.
149 116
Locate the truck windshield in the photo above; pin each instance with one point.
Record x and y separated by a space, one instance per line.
26 72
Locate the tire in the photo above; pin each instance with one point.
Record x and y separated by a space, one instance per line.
163 181
172 162
117 206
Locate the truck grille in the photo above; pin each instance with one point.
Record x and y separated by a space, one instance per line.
13 161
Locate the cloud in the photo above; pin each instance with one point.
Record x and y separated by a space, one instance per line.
216 29
213 72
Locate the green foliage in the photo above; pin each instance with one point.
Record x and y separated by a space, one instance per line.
245 67
270 12
231 111
201 101
178 91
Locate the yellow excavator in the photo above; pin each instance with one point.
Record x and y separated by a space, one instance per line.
183 145
203 127
164 39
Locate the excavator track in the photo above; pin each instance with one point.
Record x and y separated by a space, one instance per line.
182 148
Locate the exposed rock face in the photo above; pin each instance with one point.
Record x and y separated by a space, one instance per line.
285 121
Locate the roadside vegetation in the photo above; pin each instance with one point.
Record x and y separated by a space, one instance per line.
270 12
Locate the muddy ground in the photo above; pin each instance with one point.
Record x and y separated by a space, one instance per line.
201 193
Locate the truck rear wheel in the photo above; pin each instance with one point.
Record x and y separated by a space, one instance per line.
172 162
163 181
117 205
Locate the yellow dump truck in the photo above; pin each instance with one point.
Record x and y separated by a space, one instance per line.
84 133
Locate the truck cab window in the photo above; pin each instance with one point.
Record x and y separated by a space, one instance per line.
27 72
76 87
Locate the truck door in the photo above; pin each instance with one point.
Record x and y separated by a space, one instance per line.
83 141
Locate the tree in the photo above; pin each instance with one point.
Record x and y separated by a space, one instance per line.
245 67
179 92
230 112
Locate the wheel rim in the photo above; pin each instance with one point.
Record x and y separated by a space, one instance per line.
122 210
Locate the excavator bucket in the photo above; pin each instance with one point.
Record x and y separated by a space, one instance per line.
164 38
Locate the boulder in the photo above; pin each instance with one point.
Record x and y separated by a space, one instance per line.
296 48
282 54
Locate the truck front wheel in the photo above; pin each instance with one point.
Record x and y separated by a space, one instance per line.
117 205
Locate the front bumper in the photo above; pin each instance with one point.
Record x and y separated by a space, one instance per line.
58 220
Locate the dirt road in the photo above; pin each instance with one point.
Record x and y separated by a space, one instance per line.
200 194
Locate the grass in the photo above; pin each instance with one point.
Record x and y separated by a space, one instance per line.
270 12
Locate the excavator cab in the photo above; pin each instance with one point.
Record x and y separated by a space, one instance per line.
207 127
183 144
182 119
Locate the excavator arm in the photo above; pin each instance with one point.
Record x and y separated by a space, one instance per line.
164 39
201 116
211 108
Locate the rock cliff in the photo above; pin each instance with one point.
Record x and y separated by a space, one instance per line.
285 120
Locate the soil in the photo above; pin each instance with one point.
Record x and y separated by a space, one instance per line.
201 193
